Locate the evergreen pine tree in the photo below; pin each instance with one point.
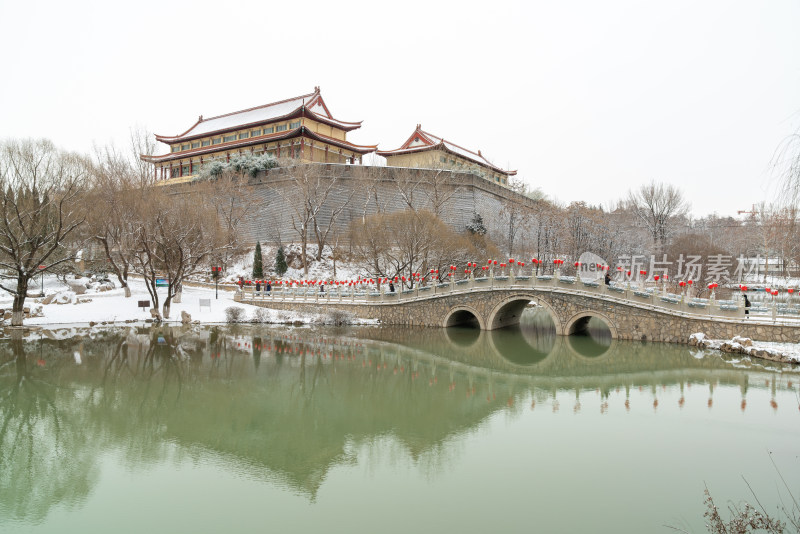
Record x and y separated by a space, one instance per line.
280 262
258 267
476 226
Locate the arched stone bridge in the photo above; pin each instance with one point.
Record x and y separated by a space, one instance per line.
500 303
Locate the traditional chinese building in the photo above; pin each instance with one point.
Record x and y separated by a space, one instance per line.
300 128
425 150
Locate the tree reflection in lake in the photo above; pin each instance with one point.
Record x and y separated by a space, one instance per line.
46 452
285 405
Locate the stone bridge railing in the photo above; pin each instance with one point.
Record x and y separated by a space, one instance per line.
652 298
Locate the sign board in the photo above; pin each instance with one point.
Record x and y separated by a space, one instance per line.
162 282
144 304
206 303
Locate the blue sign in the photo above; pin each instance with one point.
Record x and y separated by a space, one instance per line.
162 282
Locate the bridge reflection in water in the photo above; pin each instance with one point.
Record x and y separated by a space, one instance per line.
288 405
534 338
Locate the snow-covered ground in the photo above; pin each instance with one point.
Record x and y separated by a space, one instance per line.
112 306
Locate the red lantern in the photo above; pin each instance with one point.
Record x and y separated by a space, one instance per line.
656 277
643 273
682 284
690 282
510 260
790 291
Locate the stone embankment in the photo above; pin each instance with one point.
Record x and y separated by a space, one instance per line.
744 345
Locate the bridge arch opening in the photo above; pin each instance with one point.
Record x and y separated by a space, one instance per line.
590 334
510 313
464 318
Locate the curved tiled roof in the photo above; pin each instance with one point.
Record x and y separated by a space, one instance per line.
311 105
278 136
421 141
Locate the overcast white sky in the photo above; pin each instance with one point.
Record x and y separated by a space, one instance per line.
585 99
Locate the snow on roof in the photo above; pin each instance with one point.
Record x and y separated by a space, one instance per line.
260 114
421 140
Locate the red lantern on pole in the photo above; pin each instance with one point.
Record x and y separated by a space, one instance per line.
656 277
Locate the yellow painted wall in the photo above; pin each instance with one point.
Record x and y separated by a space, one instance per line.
312 125
432 159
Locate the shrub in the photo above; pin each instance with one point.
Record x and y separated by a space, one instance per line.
339 317
234 314
261 315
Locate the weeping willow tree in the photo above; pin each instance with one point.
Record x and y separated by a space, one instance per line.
41 189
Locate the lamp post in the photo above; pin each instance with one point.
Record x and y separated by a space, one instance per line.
42 268
215 275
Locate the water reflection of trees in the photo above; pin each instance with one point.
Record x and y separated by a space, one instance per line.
282 405
46 455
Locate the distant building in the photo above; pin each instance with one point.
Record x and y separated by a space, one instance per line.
300 128
425 150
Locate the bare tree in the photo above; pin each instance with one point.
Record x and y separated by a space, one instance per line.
516 214
40 210
786 162
179 236
316 200
656 205
405 242
115 203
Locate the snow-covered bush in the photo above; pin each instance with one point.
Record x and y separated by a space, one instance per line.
243 164
261 315
339 318
234 314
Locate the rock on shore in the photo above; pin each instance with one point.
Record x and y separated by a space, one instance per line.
746 346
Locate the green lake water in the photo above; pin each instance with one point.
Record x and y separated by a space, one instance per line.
374 429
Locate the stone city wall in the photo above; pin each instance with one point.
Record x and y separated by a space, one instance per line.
366 190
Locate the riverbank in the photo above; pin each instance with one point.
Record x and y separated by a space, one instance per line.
765 350
100 305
